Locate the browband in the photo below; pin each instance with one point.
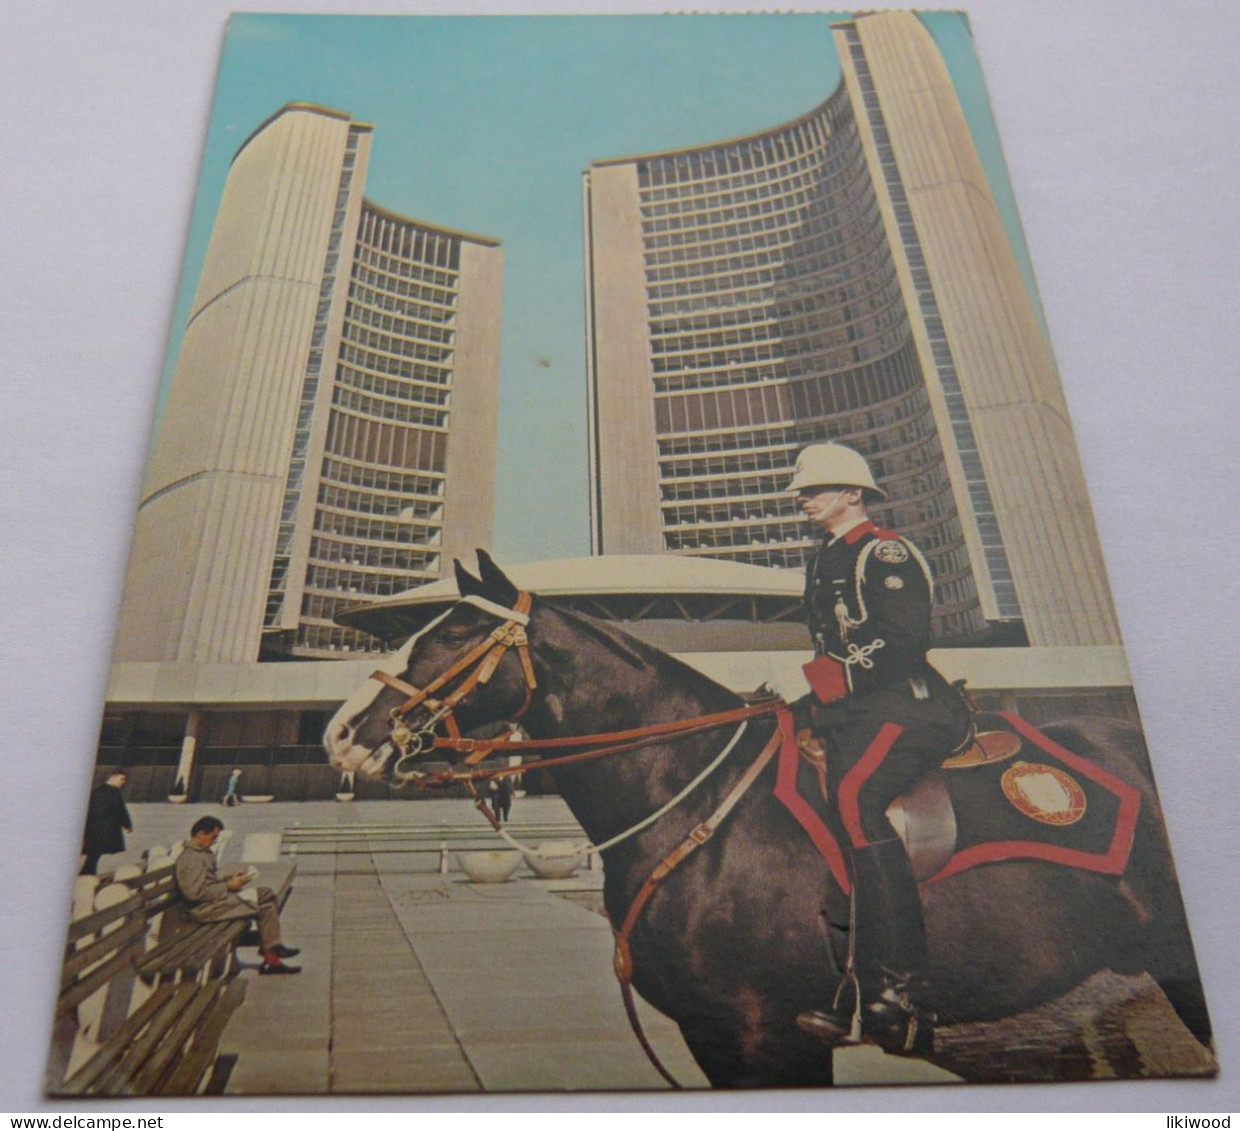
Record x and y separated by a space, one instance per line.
497 610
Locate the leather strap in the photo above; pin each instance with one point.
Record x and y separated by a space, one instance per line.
697 837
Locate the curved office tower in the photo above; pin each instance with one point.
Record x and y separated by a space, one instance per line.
844 276
329 433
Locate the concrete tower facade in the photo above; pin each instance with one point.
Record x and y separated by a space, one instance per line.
329 432
844 276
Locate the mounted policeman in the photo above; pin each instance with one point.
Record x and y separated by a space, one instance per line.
882 718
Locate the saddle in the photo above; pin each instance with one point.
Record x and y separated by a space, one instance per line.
1012 794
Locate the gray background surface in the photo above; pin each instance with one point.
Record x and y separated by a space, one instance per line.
1119 120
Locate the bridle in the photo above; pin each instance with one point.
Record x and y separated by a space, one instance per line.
483 659
477 666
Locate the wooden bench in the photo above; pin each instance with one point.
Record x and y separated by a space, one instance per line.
145 992
440 839
187 948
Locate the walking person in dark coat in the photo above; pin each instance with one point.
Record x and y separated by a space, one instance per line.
107 821
501 797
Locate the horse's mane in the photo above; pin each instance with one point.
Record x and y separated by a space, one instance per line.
639 654
632 651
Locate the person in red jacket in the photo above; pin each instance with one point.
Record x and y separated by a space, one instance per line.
885 717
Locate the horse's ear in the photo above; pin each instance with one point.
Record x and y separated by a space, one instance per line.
466 583
496 580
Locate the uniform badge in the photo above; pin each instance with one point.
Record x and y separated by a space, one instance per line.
893 553
1044 793
893 582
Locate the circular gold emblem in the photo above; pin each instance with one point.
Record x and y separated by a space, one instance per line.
893 582
1044 793
893 553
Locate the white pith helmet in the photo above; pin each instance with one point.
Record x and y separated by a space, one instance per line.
832 465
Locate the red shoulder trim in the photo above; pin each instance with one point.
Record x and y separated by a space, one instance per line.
860 530
886 535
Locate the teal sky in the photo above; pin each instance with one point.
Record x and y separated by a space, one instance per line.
485 124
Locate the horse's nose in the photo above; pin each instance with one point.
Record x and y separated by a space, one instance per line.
337 736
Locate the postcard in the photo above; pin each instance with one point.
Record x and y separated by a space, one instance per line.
614 602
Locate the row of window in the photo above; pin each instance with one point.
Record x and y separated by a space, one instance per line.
774 503
712 538
697 444
848 206
442 281
325 550
320 638
396 389
783 557
662 250
385 300
828 163
356 583
397 529
758 158
387 283
397 481
368 502
835 188
839 360
872 292
829 245
398 347
396 367
406 327
390 445
402 412
790 260
800 334
841 162
400 238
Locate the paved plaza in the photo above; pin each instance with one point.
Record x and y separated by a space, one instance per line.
418 981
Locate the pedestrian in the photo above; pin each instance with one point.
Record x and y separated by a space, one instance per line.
501 797
230 790
885 718
107 821
213 899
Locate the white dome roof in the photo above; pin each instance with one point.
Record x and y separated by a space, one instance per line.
631 575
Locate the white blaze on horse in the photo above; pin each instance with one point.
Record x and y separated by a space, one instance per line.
730 906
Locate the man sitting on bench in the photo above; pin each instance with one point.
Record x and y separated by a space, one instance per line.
214 900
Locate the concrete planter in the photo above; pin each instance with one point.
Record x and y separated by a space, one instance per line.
555 859
495 867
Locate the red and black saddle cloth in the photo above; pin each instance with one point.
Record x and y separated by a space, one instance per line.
1017 794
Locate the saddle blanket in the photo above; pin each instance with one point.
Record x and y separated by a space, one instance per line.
1041 801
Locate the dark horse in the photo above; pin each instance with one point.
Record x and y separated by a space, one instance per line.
747 932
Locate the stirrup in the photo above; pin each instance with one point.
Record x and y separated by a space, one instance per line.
836 1026
830 1027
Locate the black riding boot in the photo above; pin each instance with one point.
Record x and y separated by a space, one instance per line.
890 955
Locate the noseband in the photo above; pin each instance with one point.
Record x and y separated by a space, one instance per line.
483 659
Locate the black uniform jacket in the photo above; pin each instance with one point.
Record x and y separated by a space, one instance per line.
868 596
